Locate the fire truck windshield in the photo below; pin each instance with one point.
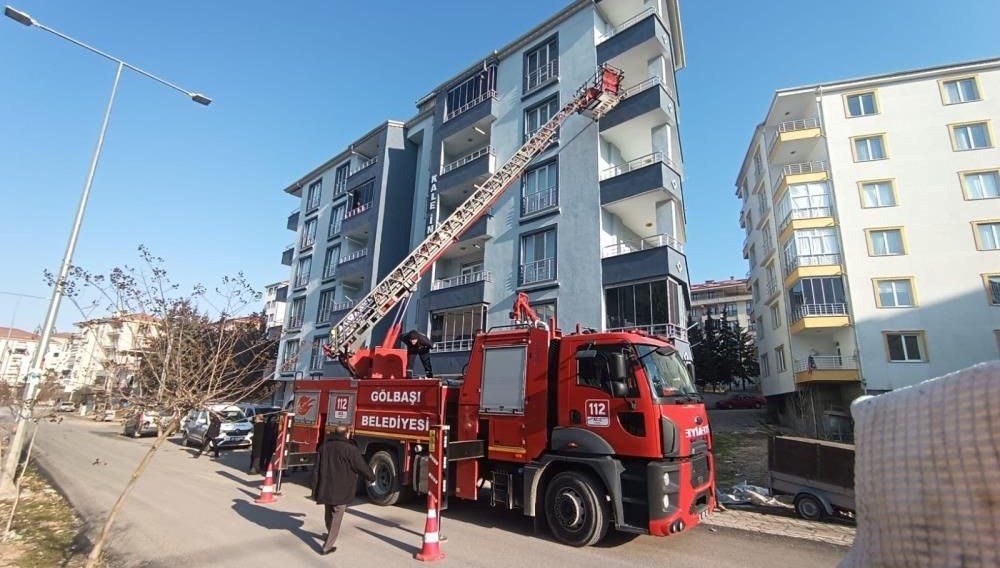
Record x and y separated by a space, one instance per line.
667 375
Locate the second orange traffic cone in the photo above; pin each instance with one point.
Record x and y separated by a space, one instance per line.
267 490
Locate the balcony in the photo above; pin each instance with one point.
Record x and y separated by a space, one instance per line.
341 306
461 290
543 200
650 258
826 368
653 176
354 267
287 254
792 130
467 159
362 167
478 113
668 330
805 218
803 172
293 221
459 177
639 37
452 345
818 316
356 221
537 272
773 289
805 266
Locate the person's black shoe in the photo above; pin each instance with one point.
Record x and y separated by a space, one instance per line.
332 550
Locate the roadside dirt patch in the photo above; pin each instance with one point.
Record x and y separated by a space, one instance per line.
740 457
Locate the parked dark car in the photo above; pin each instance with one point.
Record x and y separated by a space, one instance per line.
741 401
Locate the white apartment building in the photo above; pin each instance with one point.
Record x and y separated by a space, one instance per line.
107 351
872 213
275 301
17 349
730 298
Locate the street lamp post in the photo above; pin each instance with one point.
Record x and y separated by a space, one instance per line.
10 461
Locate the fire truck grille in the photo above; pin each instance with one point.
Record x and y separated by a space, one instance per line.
699 470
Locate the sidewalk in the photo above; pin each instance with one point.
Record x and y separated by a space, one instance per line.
833 532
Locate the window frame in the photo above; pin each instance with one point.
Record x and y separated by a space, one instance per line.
902 239
892 189
330 262
975 233
915 302
944 91
294 358
546 165
292 323
552 100
775 310
991 139
989 293
965 185
308 237
846 97
921 345
327 294
885 147
297 278
779 359
316 349
335 221
313 204
549 44
521 263
765 365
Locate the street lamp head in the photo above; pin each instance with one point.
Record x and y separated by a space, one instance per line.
18 16
200 99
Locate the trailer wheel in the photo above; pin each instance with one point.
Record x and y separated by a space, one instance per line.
808 507
386 490
576 510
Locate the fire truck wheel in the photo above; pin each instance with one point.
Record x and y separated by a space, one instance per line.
386 490
576 510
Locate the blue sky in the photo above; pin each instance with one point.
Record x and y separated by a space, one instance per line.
293 85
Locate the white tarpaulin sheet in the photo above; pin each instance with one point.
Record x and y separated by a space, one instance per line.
927 474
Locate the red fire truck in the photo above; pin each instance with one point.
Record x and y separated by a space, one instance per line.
586 430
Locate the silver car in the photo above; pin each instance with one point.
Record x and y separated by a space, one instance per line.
235 430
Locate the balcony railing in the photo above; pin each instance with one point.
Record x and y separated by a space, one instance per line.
452 345
814 310
816 166
353 256
538 271
540 200
830 259
673 331
768 247
542 74
772 288
486 150
792 126
824 363
363 165
656 241
289 363
642 86
462 280
358 210
452 113
640 162
805 213
342 305
625 25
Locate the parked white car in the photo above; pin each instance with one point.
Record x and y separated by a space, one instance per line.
235 430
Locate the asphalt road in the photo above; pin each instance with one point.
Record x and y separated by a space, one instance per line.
201 512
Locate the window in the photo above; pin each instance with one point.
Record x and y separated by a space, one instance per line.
817 297
316 356
805 201
471 91
540 188
297 313
755 291
955 91
302 271
330 261
454 330
290 356
869 148
340 178
988 235
309 233
758 167
775 316
878 194
545 310
885 242
358 199
760 327
861 104
812 247
314 194
336 219
752 256
749 307
325 312
538 257
894 293
981 185
536 117
765 366
541 65
646 304
905 346
779 358
992 282
596 372
732 310
971 136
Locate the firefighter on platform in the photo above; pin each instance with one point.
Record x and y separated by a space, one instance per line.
418 344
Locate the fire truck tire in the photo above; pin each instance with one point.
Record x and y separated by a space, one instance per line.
387 489
576 510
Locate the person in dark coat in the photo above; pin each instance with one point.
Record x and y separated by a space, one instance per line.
270 442
214 429
335 480
418 344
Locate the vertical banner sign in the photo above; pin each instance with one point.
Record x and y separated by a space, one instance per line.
432 201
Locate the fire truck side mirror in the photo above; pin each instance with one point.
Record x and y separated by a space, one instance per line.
618 371
619 389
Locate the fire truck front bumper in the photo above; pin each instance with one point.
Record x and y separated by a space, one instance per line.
681 493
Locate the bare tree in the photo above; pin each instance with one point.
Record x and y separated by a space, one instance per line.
183 356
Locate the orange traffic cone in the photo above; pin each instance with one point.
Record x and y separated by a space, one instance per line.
267 490
431 550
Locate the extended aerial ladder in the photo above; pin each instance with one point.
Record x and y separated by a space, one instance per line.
595 98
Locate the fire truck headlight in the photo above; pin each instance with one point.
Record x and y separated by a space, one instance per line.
666 502
666 478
